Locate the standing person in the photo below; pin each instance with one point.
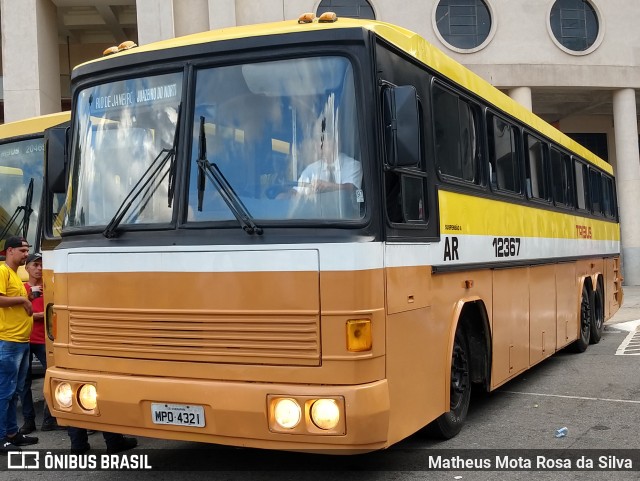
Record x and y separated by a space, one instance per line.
36 347
15 328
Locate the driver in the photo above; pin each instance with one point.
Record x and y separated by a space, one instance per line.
332 171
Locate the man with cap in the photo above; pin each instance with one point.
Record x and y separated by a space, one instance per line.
15 329
36 347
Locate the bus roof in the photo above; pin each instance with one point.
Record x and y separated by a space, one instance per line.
407 41
33 125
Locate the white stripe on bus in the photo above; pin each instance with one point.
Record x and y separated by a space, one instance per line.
466 249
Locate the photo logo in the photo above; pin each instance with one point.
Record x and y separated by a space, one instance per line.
23 460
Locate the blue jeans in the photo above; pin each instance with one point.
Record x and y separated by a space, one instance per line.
14 363
28 412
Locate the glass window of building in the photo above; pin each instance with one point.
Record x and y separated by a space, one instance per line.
595 142
574 24
464 24
347 8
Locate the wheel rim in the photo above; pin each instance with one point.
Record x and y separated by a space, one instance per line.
459 375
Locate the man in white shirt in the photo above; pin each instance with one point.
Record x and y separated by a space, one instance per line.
333 171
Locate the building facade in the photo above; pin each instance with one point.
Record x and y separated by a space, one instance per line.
575 63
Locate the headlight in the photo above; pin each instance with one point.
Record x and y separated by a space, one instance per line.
64 394
287 413
88 397
325 413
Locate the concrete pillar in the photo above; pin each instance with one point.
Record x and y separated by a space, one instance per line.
30 58
222 13
155 20
522 95
190 16
625 122
164 19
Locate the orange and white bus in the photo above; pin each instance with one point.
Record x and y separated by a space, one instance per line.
313 235
21 174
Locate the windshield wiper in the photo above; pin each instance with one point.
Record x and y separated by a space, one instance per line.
217 178
26 208
146 183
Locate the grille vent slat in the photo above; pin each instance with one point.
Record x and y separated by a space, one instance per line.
291 339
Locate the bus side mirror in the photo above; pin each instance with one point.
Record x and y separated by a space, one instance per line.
55 157
402 126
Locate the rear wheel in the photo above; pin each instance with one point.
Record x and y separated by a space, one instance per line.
597 315
586 304
450 423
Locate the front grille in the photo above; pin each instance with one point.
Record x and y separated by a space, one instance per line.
247 338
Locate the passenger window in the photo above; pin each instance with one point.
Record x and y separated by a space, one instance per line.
608 197
596 192
456 133
537 168
582 184
503 156
562 181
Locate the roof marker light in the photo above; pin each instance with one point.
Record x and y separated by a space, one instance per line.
328 17
306 17
110 51
126 45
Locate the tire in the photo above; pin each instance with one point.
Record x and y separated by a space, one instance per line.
597 315
450 423
586 304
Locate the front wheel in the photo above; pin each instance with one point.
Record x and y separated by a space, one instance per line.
450 423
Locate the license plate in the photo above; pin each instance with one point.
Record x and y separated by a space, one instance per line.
177 414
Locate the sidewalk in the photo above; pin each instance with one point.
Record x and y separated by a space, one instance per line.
630 310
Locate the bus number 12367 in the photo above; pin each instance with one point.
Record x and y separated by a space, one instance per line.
506 246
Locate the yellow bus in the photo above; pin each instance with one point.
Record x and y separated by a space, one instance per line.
21 174
313 235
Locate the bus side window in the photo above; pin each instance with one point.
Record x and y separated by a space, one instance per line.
503 156
608 197
537 166
582 184
456 135
562 180
596 192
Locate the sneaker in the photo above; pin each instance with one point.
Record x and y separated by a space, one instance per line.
28 427
7 447
123 444
48 425
21 440
81 450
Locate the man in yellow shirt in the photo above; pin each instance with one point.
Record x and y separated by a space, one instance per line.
16 322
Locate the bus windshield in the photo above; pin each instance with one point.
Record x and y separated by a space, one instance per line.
282 134
20 187
121 129
285 136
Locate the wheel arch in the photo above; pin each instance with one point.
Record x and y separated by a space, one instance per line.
471 314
